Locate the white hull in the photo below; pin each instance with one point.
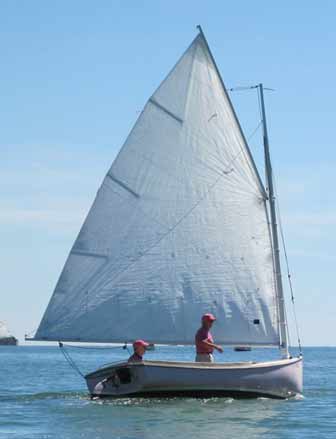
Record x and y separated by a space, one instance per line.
276 379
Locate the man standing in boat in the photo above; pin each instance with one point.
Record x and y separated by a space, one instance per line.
204 342
139 347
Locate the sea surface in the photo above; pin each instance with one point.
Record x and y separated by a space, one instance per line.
42 397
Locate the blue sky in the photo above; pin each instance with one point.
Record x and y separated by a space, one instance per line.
73 78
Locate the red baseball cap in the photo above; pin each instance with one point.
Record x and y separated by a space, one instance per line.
140 343
209 317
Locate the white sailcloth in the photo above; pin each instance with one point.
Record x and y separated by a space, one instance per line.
178 228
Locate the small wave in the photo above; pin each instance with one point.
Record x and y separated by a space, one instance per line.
141 401
216 399
131 401
44 396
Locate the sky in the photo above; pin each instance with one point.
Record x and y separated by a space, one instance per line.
74 77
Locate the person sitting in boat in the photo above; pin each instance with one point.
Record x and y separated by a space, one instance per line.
204 342
139 347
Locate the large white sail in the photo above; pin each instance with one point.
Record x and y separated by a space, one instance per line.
178 228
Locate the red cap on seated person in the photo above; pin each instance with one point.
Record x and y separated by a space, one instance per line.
140 343
209 317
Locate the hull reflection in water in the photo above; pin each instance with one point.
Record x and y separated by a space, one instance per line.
275 379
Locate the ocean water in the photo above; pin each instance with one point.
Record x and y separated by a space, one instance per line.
42 397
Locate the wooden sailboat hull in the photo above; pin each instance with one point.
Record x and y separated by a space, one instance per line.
275 379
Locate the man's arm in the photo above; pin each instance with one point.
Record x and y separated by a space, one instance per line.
212 345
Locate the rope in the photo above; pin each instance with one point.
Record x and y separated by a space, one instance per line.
126 347
289 276
70 360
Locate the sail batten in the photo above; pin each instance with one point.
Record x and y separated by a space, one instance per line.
178 119
181 223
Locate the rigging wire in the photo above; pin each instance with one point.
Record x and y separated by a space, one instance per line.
289 276
72 362
255 130
126 347
285 253
270 231
280 226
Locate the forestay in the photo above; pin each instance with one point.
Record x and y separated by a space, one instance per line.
178 228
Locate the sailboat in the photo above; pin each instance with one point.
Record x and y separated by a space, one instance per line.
6 338
182 225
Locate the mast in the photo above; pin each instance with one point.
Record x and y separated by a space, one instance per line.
276 250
